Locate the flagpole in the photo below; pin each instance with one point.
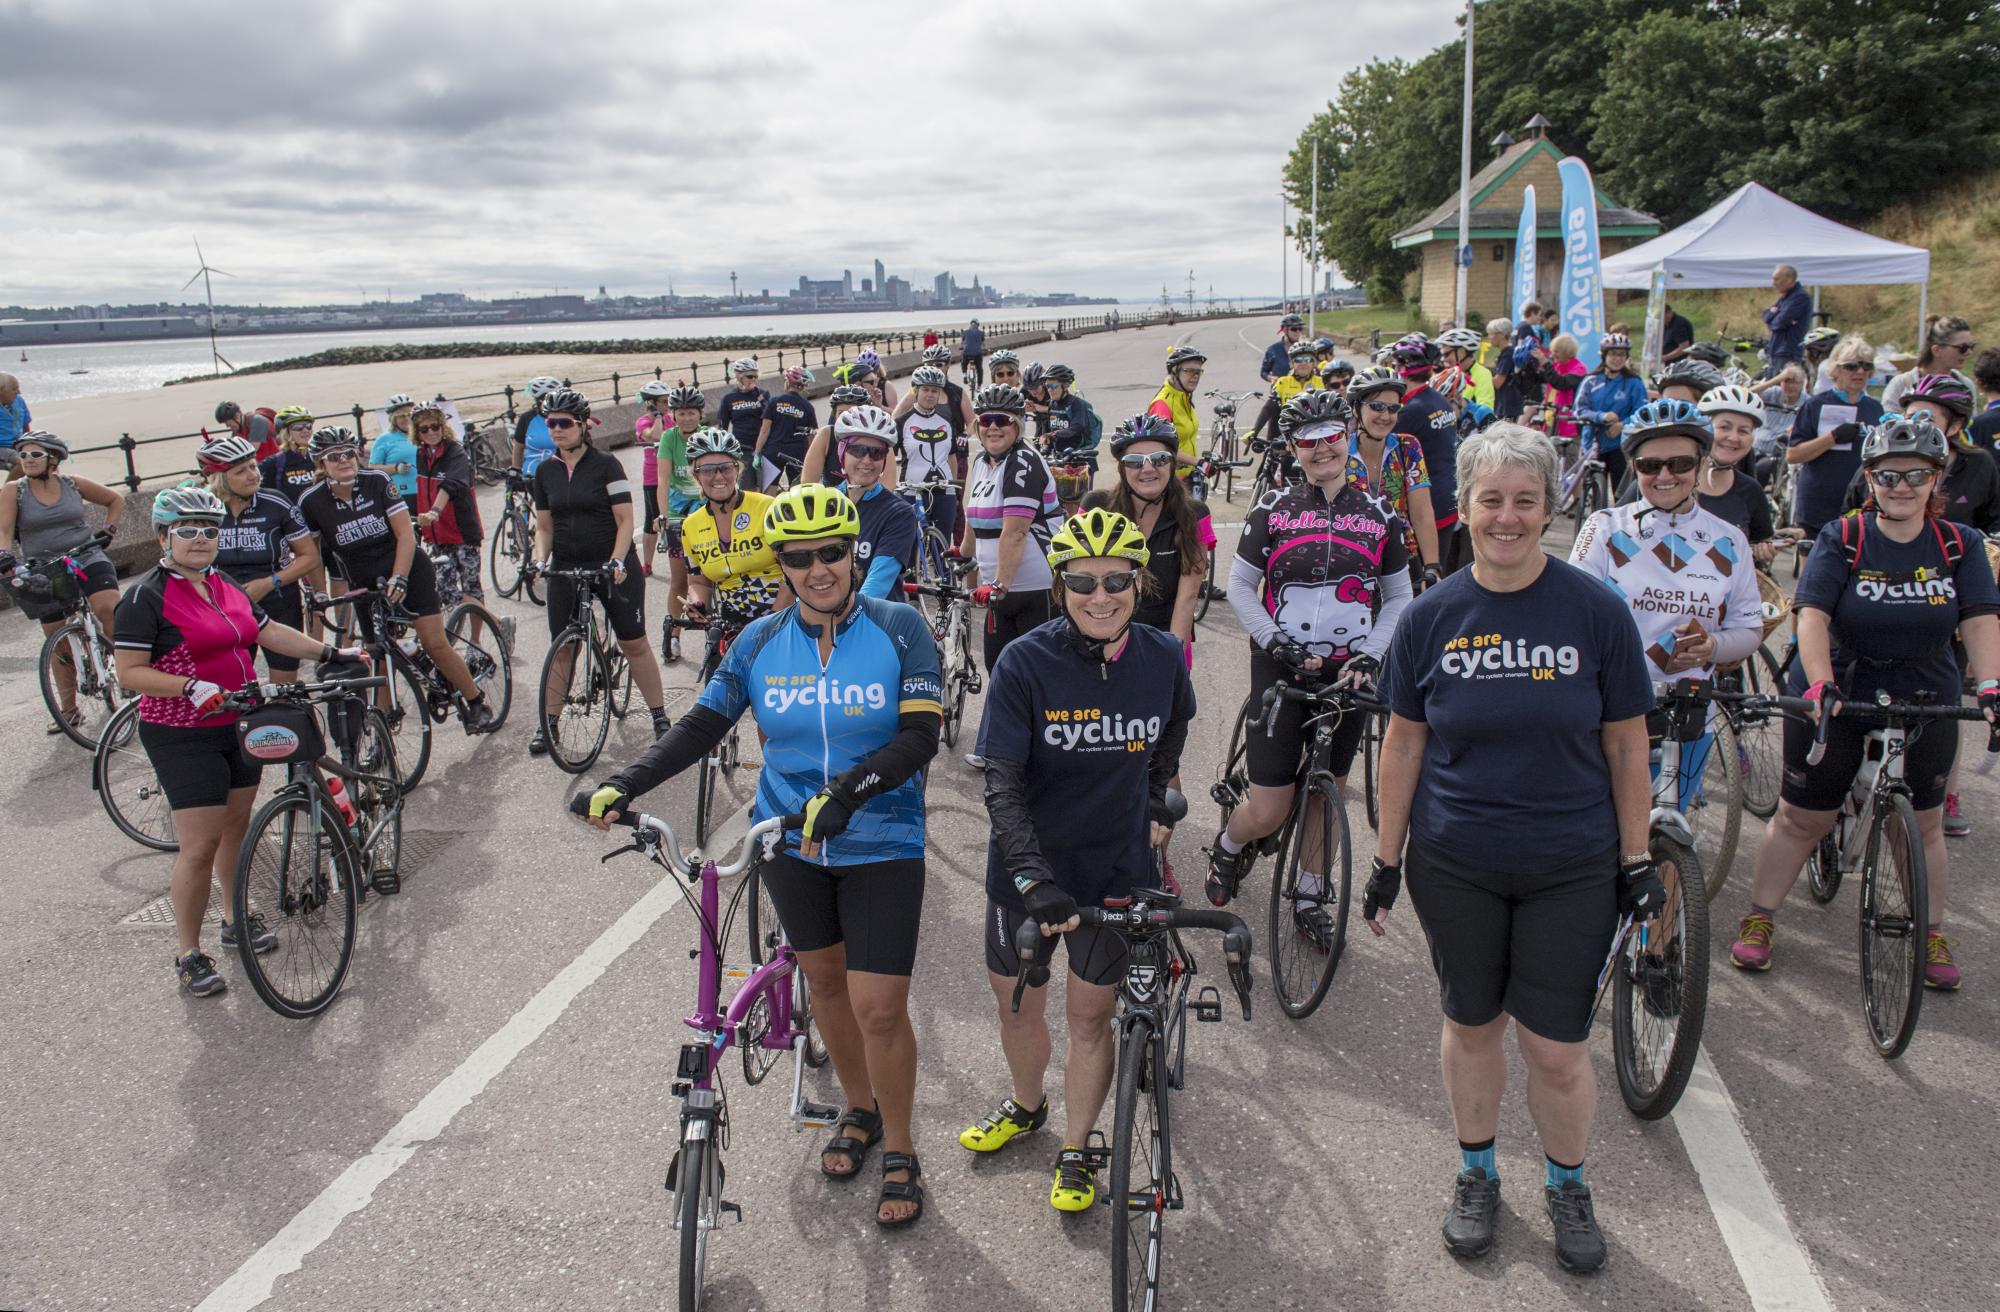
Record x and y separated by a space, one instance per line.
1312 292
1465 175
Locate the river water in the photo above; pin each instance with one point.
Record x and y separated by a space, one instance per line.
50 372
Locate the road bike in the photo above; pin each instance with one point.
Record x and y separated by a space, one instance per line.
1582 486
937 560
1150 1029
1698 773
512 551
331 832
78 654
586 681
958 673
770 1013
128 787
1223 444
722 760
486 445
1273 468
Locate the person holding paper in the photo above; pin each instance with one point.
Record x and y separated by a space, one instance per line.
1826 436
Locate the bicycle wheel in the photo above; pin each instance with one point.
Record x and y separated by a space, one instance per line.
375 813
803 1021
409 716
955 656
1229 791
301 877
1202 598
706 773
68 648
127 785
698 1171
1823 868
1895 902
1589 498
1717 815
575 677
1660 991
486 655
1762 744
1371 746
507 555
1308 925
1139 1181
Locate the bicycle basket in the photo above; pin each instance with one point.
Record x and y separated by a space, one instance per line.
1777 607
344 714
47 592
280 734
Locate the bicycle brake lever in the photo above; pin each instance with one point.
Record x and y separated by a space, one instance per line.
634 846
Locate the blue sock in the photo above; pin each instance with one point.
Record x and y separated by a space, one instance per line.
1558 1175
1478 1154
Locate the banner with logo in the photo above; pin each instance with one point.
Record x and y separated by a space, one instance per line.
1583 274
1524 255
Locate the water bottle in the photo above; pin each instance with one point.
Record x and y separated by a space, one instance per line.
408 646
338 791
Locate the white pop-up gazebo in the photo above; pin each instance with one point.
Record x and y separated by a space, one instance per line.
1738 241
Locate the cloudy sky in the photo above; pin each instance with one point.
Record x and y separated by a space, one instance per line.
488 146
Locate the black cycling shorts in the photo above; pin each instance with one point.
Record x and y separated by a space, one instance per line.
198 766
872 908
1528 945
624 603
420 598
1275 759
1096 955
1013 615
1927 762
651 524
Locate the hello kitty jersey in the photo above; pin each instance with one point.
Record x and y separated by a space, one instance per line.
1323 562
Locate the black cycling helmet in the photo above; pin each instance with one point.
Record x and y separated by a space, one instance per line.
1310 408
1291 321
334 437
1060 373
1905 435
1181 355
999 397
567 401
848 394
227 412
1702 376
1707 353
683 397
1143 428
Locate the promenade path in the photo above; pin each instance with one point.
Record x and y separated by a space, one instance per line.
482 1119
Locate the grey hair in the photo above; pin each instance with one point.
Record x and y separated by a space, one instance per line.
1499 328
1502 446
1853 349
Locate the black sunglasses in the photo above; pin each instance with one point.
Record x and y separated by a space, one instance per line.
1385 407
1085 584
1907 477
1651 465
830 554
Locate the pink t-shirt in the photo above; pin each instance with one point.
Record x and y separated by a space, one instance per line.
647 433
184 634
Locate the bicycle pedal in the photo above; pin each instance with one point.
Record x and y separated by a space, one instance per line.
1208 1004
735 1209
815 1115
1174 1199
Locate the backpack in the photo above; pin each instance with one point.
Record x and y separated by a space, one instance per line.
1854 529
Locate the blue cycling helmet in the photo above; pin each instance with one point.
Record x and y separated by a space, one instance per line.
1143 428
1670 418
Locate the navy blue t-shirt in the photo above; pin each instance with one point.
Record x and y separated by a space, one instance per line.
1429 418
288 473
1086 742
792 423
1818 485
742 413
888 533
1515 688
1899 604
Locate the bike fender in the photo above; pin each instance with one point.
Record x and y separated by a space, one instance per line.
1672 823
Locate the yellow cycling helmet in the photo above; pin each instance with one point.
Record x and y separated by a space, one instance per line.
808 512
1097 533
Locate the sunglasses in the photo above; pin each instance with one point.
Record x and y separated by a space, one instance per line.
303 426
996 419
1309 441
1385 407
1902 477
430 428
1653 465
341 455
1085 584
558 425
1150 460
1858 366
867 451
33 453
196 532
830 554
1961 347
713 468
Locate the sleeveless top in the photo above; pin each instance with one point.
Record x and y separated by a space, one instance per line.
43 530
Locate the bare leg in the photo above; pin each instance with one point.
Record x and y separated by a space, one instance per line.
1092 1056
882 1009
1791 835
229 839
1562 1094
1475 1075
1024 1037
200 831
645 671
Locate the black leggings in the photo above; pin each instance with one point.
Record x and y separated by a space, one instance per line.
873 908
1013 615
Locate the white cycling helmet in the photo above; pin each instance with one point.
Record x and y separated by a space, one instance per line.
865 421
541 387
396 402
744 366
1458 339
655 390
1729 399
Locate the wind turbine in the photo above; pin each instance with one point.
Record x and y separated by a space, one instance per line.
203 273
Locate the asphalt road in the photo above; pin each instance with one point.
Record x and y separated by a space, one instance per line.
482 1119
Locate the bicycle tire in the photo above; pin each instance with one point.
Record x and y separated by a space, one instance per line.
128 787
1202 598
1371 746
1823 870
730 754
95 703
375 753
508 556
1140 1113
311 908
698 1212
1763 743
410 724
706 772
1721 804
487 656
1589 498
958 670
1892 980
1302 969
581 721
1660 1002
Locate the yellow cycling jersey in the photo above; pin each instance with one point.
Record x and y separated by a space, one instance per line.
1177 407
745 571
1285 387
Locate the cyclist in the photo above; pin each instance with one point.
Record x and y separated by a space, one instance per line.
787 427
886 545
1606 400
1782 400
1322 353
184 636
1459 348
850 892
1303 377
1335 375
1004 367
447 511
731 568
1176 526
685 405
930 441
1174 402
1069 433
394 451
741 410
1687 380
1076 810
1881 597
364 534
647 431
43 517
1726 489
1825 446
1819 344
583 517
289 470
972 351
1391 465
1010 510
844 397
1431 420
532 443
1319 581
262 549
259 427
1277 356
1947 349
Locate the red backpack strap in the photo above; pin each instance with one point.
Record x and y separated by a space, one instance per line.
1950 541
1850 542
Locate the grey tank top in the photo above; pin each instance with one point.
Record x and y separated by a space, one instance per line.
43 530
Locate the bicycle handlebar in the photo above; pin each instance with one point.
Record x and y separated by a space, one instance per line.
252 696
1140 917
1344 699
651 832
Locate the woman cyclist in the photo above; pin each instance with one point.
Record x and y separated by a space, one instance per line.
733 572
887 545
684 405
930 444
1004 368
447 511
1607 399
741 410
1947 349
844 397
1874 615
1825 446
1391 465
1459 348
394 451
1319 581
532 443
364 533
1010 510
1174 402
787 427
263 549
849 890
1727 489
44 517
1174 525
185 635
647 430
583 519
1303 377
1075 820
289 470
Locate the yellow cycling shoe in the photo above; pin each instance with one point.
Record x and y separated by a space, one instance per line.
1075 1188
1007 1122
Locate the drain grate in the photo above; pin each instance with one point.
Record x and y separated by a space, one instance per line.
420 848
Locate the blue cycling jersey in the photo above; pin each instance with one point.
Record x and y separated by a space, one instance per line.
821 721
537 445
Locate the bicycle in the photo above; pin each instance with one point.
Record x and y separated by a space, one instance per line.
512 550
769 1013
1582 486
80 647
1875 836
721 761
1222 439
330 832
958 673
417 693
937 560
486 445
1702 784
585 672
1072 479
128 787
1272 468
1151 1034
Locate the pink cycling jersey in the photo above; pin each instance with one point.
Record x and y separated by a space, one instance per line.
184 634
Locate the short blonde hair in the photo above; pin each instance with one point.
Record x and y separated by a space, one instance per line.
1502 446
1854 349
1563 347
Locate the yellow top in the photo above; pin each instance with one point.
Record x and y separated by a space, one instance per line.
745 571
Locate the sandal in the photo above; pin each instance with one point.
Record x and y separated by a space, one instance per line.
868 1120
910 1190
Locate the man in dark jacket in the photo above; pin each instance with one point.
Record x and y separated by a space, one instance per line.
1787 319
1278 355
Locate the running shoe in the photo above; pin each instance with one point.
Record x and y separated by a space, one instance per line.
1939 972
197 974
975 760
1468 1222
1955 823
262 940
1579 1243
1752 949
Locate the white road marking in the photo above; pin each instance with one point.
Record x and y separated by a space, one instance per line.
355 1187
1776 1270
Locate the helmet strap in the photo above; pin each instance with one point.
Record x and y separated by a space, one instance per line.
1091 649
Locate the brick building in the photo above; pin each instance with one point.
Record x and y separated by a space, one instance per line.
1494 216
